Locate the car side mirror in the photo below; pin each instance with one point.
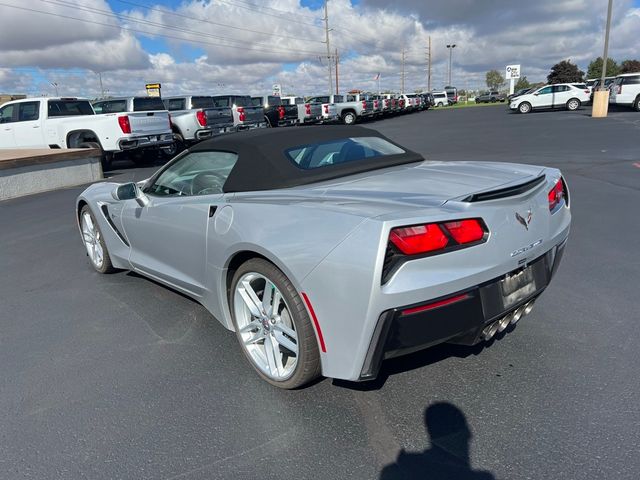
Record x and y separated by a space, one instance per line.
536 94
130 191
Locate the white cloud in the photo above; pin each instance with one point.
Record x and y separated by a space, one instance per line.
270 45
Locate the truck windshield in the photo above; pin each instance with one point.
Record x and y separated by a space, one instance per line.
67 108
147 104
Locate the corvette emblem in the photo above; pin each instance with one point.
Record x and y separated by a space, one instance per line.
524 221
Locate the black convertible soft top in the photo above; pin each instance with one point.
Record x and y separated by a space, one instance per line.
263 164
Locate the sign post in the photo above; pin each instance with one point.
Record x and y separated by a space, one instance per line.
277 90
153 89
513 72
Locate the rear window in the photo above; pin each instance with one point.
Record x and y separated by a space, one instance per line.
273 100
202 102
256 101
222 101
68 108
318 155
242 101
338 99
147 104
175 104
112 106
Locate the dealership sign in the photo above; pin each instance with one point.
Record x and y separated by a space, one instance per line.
513 71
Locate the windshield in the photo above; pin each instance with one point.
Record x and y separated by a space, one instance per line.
346 150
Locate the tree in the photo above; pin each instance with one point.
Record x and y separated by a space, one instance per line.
595 68
522 83
565 72
630 66
494 79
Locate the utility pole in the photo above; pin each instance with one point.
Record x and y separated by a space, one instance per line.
101 86
429 65
402 76
601 96
326 33
55 85
337 76
450 47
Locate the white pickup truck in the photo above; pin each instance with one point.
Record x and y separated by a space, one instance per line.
72 123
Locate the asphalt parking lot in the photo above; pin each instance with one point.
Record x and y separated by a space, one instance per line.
118 377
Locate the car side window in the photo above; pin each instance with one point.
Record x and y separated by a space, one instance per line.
28 111
195 173
6 114
545 91
97 107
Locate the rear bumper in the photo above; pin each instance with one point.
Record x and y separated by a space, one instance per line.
146 141
457 318
214 130
250 126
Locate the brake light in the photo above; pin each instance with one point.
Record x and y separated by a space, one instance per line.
375 104
241 115
201 116
364 104
124 123
326 109
465 231
307 109
386 103
281 112
431 237
556 194
418 239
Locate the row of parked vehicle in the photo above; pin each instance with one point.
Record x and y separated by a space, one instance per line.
624 90
138 124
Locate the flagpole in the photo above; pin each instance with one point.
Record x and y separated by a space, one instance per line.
378 84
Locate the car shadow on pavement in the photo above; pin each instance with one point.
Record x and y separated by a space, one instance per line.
448 456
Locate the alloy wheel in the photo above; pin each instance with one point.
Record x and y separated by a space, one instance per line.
91 238
265 326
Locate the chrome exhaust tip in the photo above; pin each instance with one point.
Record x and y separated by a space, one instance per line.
490 330
517 315
505 321
528 307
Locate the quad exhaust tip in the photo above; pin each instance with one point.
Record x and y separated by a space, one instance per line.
510 319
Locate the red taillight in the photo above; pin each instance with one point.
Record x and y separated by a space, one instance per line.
375 104
440 303
307 109
556 194
386 103
419 239
326 109
241 115
465 231
125 125
281 112
364 104
619 89
201 116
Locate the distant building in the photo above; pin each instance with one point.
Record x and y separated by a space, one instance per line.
4 98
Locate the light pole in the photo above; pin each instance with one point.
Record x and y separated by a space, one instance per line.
55 85
450 47
601 96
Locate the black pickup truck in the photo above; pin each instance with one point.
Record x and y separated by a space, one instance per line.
276 113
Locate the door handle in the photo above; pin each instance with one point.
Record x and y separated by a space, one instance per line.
36 126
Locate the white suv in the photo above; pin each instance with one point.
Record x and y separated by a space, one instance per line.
625 90
562 95
440 99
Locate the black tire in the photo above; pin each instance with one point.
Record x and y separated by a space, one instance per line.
524 107
178 146
349 118
107 266
573 104
106 158
636 105
308 364
477 101
440 104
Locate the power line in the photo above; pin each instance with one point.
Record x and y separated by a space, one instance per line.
269 14
251 6
106 13
203 20
120 27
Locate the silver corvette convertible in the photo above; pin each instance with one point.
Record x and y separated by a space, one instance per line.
329 249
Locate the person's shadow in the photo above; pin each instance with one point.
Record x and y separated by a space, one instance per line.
448 457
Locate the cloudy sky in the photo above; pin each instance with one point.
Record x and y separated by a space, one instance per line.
211 46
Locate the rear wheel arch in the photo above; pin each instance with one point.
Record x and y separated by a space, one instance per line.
76 137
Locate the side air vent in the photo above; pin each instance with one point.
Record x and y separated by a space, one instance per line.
105 212
505 192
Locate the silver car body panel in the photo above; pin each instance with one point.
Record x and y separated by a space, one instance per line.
329 238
